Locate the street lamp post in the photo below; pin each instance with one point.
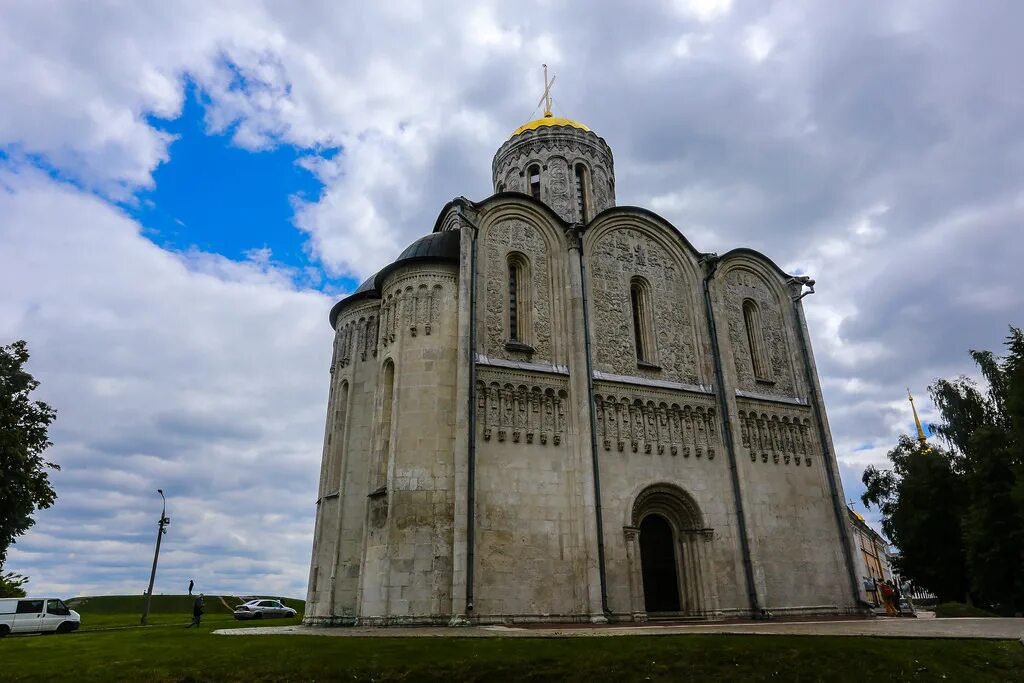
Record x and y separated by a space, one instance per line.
161 530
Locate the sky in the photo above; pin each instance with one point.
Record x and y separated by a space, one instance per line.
187 187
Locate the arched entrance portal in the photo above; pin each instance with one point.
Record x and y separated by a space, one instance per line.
668 548
658 562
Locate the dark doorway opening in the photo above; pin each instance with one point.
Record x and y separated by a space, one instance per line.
658 563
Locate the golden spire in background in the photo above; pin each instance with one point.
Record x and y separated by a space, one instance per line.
917 421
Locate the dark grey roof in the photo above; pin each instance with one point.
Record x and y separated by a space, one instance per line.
438 246
367 286
443 245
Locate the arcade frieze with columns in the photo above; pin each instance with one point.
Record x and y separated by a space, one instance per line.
553 408
651 423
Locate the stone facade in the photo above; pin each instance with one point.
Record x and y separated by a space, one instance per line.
554 409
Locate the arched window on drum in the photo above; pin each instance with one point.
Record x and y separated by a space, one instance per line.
582 190
533 176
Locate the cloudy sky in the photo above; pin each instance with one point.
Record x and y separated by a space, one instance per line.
187 187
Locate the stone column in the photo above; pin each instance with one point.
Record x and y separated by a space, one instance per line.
636 590
466 359
580 423
705 554
691 580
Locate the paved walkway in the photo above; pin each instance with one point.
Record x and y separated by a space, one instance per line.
991 628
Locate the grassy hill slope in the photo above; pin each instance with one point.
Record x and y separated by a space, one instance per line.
109 611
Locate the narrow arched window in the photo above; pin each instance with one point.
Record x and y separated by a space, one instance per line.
514 277
386 415
518 299
643 324
534 174
337 439
755 341
581 193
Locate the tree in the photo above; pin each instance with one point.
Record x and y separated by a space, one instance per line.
12 585
986 428
921 500
24 423
957 515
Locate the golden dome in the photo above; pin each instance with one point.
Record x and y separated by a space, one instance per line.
548 120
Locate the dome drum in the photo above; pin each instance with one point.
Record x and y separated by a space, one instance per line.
560 162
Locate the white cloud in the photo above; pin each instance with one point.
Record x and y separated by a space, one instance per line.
207 382
703 10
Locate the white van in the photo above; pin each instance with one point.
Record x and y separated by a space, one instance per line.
37 615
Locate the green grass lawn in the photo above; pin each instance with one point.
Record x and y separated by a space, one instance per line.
959 609
165 653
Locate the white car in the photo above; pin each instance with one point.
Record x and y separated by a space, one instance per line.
37 615
261 609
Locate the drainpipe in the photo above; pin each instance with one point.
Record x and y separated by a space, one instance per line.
471 440
711 261
812 389
593 429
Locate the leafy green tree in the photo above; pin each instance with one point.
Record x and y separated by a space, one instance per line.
957 515
986 429
921 499
24 423
12 585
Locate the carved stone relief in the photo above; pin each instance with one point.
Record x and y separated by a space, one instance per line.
602 190
514 181
356 336
412 305
744 284
660 424
616 258
503 238
779 436
559 189
515 408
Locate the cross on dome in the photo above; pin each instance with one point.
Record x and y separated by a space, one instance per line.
548 119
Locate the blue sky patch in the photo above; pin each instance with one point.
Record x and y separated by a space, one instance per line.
219 198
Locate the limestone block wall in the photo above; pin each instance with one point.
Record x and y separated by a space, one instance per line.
650 437
408 561
334 574
795 541
530 547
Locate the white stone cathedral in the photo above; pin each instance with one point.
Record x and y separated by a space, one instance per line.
553 408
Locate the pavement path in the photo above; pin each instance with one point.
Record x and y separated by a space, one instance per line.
991 628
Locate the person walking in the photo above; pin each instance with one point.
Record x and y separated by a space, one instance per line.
896 597
887 598
191 584
197 611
